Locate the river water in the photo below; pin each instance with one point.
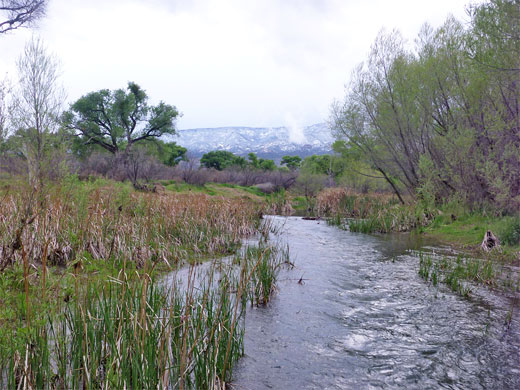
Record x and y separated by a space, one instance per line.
364 319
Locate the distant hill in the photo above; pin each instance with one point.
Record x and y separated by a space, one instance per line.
273 142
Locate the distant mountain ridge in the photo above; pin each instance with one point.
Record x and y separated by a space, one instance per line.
266 142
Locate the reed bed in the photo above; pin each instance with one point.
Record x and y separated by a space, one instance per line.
263 264
146 334
79 307
349 204
79 222
460 272
372 213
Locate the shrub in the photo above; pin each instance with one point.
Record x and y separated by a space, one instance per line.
510 233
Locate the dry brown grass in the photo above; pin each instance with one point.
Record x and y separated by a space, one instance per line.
76 222
350 204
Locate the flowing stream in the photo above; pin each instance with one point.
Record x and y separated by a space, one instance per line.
362 318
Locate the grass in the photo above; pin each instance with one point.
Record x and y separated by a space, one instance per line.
451 223
79 306
216 189
460 272
262 263
467 230
140 333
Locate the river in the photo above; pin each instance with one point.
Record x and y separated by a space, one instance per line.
362 318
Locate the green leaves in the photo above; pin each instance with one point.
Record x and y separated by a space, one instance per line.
453 101
115 120
218 159
292 162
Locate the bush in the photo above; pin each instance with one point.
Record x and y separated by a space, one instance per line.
510 234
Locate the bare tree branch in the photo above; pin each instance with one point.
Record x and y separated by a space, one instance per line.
20 13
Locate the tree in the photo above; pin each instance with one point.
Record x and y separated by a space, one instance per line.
171 154
292 162
19 13
116 120
253 160
168 153
218 159
37 106
260 163
266 164
442 120
310 184
352 169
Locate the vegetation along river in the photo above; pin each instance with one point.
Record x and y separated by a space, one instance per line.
364 319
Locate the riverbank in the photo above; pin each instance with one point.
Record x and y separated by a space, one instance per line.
79 262
451 223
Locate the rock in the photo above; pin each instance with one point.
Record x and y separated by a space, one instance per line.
158 188
489 242
266 188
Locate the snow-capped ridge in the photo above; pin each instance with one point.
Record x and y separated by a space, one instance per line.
266 142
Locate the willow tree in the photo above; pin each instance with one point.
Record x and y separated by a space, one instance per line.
443 118
379 113
494 46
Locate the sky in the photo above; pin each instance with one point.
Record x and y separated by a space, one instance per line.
259 63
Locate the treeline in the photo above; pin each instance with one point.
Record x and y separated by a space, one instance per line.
441 121
116 134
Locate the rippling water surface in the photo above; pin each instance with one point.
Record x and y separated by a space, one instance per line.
364 319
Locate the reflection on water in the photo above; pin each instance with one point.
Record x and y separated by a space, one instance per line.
364 319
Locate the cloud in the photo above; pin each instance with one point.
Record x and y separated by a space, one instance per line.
222 62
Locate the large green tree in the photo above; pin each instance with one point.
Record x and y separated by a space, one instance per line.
116 120
220 159
292 162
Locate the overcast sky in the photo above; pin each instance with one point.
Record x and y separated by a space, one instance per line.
223 62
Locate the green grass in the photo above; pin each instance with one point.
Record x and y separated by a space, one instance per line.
300 205
215 189
184 187
467 231
139 333
104 228
461 272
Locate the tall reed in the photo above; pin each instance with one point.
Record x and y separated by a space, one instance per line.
144 333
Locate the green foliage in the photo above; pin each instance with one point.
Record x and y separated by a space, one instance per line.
115 120
354 171
253 160
318 164
221 159
260 163
218 159
292 162
438 121
309 185
510 232
169 153
266 165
